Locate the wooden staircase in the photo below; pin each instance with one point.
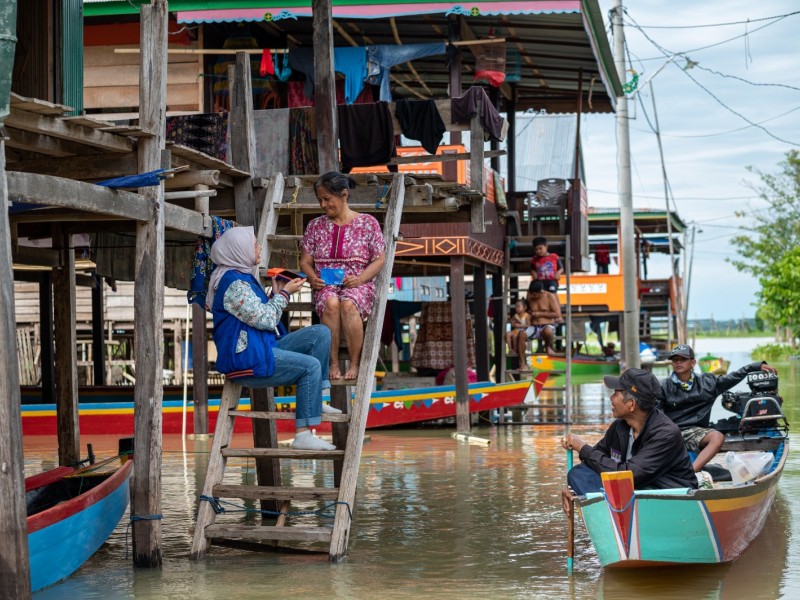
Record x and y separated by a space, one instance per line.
348 427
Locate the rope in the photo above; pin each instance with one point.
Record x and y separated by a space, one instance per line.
381 195
135 518
294 196
216 506
619 510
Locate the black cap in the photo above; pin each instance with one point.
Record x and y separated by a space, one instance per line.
682 350
642 384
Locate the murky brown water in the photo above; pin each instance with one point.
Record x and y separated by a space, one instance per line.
436 518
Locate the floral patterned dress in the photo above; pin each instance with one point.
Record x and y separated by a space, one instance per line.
350 247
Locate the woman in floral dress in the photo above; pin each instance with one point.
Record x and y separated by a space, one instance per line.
350 241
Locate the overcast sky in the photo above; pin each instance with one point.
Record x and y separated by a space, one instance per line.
707 147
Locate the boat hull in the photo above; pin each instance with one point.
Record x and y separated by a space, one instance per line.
63 537
114 414
669 527
580 366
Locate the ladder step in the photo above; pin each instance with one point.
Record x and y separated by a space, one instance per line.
254 532
282 453
300 306
343 382
256 492
279 237
280 415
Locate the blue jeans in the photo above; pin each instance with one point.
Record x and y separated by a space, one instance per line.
382 57
302 358
583 479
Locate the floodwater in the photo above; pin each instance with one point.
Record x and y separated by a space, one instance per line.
438 518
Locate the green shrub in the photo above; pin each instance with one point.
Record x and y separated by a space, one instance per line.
773 352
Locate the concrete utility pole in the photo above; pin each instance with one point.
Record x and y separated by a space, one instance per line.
630 341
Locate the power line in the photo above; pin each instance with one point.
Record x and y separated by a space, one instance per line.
747 22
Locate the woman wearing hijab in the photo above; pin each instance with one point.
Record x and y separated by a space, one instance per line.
353 245
250 349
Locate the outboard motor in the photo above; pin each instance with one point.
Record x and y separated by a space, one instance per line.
754 408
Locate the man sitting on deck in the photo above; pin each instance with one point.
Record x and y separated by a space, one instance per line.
544 310
688 398
642 439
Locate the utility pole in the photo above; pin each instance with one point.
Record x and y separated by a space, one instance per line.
630 342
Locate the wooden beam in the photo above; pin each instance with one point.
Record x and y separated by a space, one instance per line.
28 141
69 450
476 175
59 128
469 39
15 581
149 295
324 87
96 166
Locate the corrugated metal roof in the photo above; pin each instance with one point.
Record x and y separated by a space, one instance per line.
545 148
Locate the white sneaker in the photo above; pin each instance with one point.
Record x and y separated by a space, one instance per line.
327 409
308 441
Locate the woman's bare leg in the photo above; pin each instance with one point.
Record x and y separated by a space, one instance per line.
332 318
353 329
522 344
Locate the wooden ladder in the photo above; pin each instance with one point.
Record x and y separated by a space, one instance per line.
348 427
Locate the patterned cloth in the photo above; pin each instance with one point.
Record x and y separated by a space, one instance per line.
207 133
202 265
434 347
350 247
241 301
303 153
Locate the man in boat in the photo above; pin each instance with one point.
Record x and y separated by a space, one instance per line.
642 439
545 311
688 397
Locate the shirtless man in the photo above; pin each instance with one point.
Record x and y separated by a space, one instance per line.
544 310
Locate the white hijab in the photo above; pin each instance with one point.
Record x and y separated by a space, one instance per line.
235 250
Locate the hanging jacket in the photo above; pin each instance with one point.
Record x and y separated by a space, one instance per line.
256 358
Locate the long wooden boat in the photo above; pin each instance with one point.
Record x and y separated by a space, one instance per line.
581 364
633 528
71 513
109 410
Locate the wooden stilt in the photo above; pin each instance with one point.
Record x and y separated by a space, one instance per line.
199 328
324 86
15 580
458 307
149 295
69 450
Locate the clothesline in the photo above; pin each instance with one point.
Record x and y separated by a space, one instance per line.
220 51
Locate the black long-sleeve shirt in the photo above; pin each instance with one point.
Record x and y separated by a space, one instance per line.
658 458
692 408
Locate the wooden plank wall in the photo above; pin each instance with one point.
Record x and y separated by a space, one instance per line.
111 80
118 305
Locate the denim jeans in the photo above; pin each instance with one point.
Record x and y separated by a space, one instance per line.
302 358
583 479
381 57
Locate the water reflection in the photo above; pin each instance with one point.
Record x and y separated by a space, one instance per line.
437 518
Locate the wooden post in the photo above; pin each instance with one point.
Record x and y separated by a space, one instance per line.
455 70
200 345
498 326
458 308
177 351
481 307
98 327
324 87
265 433
243 142
15 578
148 313
69 449
46 337
476 175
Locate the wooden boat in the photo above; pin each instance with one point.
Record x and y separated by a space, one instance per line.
713 364
582 364
632 528
71 513
109 410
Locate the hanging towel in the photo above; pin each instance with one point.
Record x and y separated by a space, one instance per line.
267 66
475 102
366 135
420 120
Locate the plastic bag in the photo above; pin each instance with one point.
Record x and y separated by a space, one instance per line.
332 276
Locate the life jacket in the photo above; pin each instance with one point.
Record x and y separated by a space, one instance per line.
257 359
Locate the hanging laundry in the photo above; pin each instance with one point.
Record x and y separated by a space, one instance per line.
202 265
420 120
475 102
366 135
303 153
350 62
296 98
380 58
207 133
282 69
267 66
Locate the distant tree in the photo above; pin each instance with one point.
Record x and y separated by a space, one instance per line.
780 293
771 231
